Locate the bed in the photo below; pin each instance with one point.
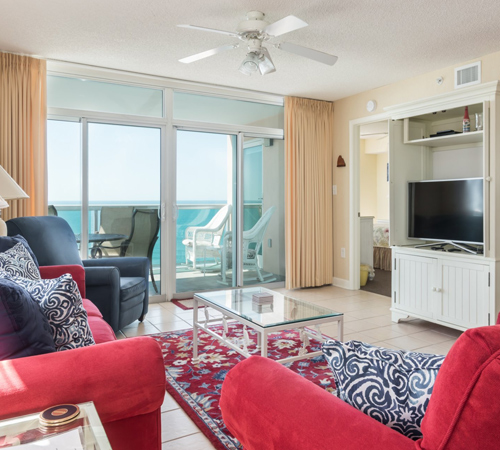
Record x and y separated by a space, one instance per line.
381 250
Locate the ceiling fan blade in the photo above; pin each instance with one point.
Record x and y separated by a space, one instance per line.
206 54
285 25
316 55
194 27
266 66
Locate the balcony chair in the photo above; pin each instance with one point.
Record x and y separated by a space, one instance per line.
118 286
143 237
52 210
202 242
115 220
252 246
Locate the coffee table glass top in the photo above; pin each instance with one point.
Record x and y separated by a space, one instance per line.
282 311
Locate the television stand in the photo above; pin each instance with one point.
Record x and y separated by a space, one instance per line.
465 247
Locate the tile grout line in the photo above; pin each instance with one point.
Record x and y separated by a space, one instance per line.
182 437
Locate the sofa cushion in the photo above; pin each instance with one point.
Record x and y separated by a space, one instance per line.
17 261
101 330
131 287
7 242
60 301
391 386
92 310
24 330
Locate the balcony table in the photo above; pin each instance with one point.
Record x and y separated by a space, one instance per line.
98 239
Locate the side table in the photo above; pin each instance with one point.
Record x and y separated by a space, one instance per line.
26 429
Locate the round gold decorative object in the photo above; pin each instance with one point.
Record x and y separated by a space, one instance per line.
59 415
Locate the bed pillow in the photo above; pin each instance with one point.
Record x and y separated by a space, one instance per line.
391 386
17 261
7 242
24 329
61 302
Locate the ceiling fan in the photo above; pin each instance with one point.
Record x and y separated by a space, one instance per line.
254 31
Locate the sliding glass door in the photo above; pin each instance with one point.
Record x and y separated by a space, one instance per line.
124 189
263 239
206 197
64 169
220 185
105 181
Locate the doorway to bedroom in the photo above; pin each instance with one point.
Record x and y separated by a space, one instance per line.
375 253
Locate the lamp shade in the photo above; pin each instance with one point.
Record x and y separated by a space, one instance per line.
9 189
3 203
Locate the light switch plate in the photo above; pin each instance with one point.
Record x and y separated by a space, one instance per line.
334 189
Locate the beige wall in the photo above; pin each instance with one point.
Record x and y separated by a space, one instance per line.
374 188
376 145
354 107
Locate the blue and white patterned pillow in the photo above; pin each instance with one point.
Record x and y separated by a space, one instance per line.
391 386
61 302
17 261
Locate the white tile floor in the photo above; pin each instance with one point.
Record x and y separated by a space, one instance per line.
366 318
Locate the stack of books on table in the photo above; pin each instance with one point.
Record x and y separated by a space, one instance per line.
262 298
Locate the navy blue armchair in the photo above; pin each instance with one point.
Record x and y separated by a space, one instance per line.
119 287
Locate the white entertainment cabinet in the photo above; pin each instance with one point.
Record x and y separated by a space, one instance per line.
455 289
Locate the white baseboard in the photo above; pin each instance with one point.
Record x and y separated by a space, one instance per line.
341 283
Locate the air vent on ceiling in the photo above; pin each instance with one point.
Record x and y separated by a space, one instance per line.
468 75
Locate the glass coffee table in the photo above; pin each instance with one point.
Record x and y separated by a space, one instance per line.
284 313
27 429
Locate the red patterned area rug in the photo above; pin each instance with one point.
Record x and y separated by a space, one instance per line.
196 387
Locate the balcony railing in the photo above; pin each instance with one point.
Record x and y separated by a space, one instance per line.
189 215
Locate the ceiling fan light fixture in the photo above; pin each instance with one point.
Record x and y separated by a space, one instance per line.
266 65
250 64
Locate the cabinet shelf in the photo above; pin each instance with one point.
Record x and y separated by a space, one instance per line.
474 137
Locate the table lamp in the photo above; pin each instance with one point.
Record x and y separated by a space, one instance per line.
9 190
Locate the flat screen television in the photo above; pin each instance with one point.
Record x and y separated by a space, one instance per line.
447 210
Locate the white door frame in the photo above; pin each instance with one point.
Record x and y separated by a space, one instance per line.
354 195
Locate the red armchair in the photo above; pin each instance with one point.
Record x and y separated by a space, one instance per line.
125 379
267 406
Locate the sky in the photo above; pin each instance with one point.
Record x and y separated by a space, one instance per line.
124 164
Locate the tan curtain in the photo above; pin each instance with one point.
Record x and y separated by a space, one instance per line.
308 199
23 122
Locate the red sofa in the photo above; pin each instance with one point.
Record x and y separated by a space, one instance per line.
125 379
267 406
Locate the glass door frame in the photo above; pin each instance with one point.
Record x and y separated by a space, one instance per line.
84 118
269 133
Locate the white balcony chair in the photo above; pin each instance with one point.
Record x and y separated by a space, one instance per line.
252 244
202 242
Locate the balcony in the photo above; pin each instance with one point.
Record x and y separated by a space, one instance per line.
206 275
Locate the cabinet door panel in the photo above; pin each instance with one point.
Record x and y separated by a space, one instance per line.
464 294
406 163
414 278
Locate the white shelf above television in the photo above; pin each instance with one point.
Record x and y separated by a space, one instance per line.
474 137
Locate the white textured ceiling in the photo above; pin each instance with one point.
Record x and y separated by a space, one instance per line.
378 42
